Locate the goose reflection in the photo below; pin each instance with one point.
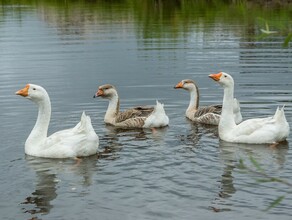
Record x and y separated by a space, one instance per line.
197 131
47 172
136 134
230 153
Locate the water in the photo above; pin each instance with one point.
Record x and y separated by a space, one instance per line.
144 49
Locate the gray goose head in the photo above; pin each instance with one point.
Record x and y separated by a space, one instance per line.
186 84
106 91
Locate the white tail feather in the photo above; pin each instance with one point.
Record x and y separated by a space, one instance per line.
84 124
158 118
280 114
158 108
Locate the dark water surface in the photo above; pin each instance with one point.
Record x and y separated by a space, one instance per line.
143 48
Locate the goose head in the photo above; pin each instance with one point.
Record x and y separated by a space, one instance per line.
106 91
224 79
186 84
33 92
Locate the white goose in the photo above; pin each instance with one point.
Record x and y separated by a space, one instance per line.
206 114
138 117
253 131
79 141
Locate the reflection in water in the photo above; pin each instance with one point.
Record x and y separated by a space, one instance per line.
157 134
71 18
197 130
135 133
114 137
43 195
230 153
74 44
47 171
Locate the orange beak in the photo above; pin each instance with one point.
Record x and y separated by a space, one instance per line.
179 85
23 92
215 76
99 93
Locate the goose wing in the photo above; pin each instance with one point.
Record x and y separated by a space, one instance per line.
209 118
78 141
139 111
254 125
214 109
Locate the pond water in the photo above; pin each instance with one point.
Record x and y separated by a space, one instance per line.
143 48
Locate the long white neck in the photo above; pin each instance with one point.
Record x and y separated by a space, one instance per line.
194 99
40 131
227 116
112 110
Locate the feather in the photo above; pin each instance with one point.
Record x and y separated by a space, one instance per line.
136 117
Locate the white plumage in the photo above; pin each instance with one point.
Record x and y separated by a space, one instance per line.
79 141
252 131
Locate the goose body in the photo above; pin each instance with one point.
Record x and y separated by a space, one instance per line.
79 141
272 129
205 114
138 117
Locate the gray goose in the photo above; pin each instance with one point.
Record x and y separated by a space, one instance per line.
206 114
137 117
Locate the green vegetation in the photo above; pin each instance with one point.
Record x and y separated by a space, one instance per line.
279 28
171 17
263 177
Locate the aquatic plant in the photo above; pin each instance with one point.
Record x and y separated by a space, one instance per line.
263 177
280 28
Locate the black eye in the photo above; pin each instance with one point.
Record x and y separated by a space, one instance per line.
33 88
225 76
